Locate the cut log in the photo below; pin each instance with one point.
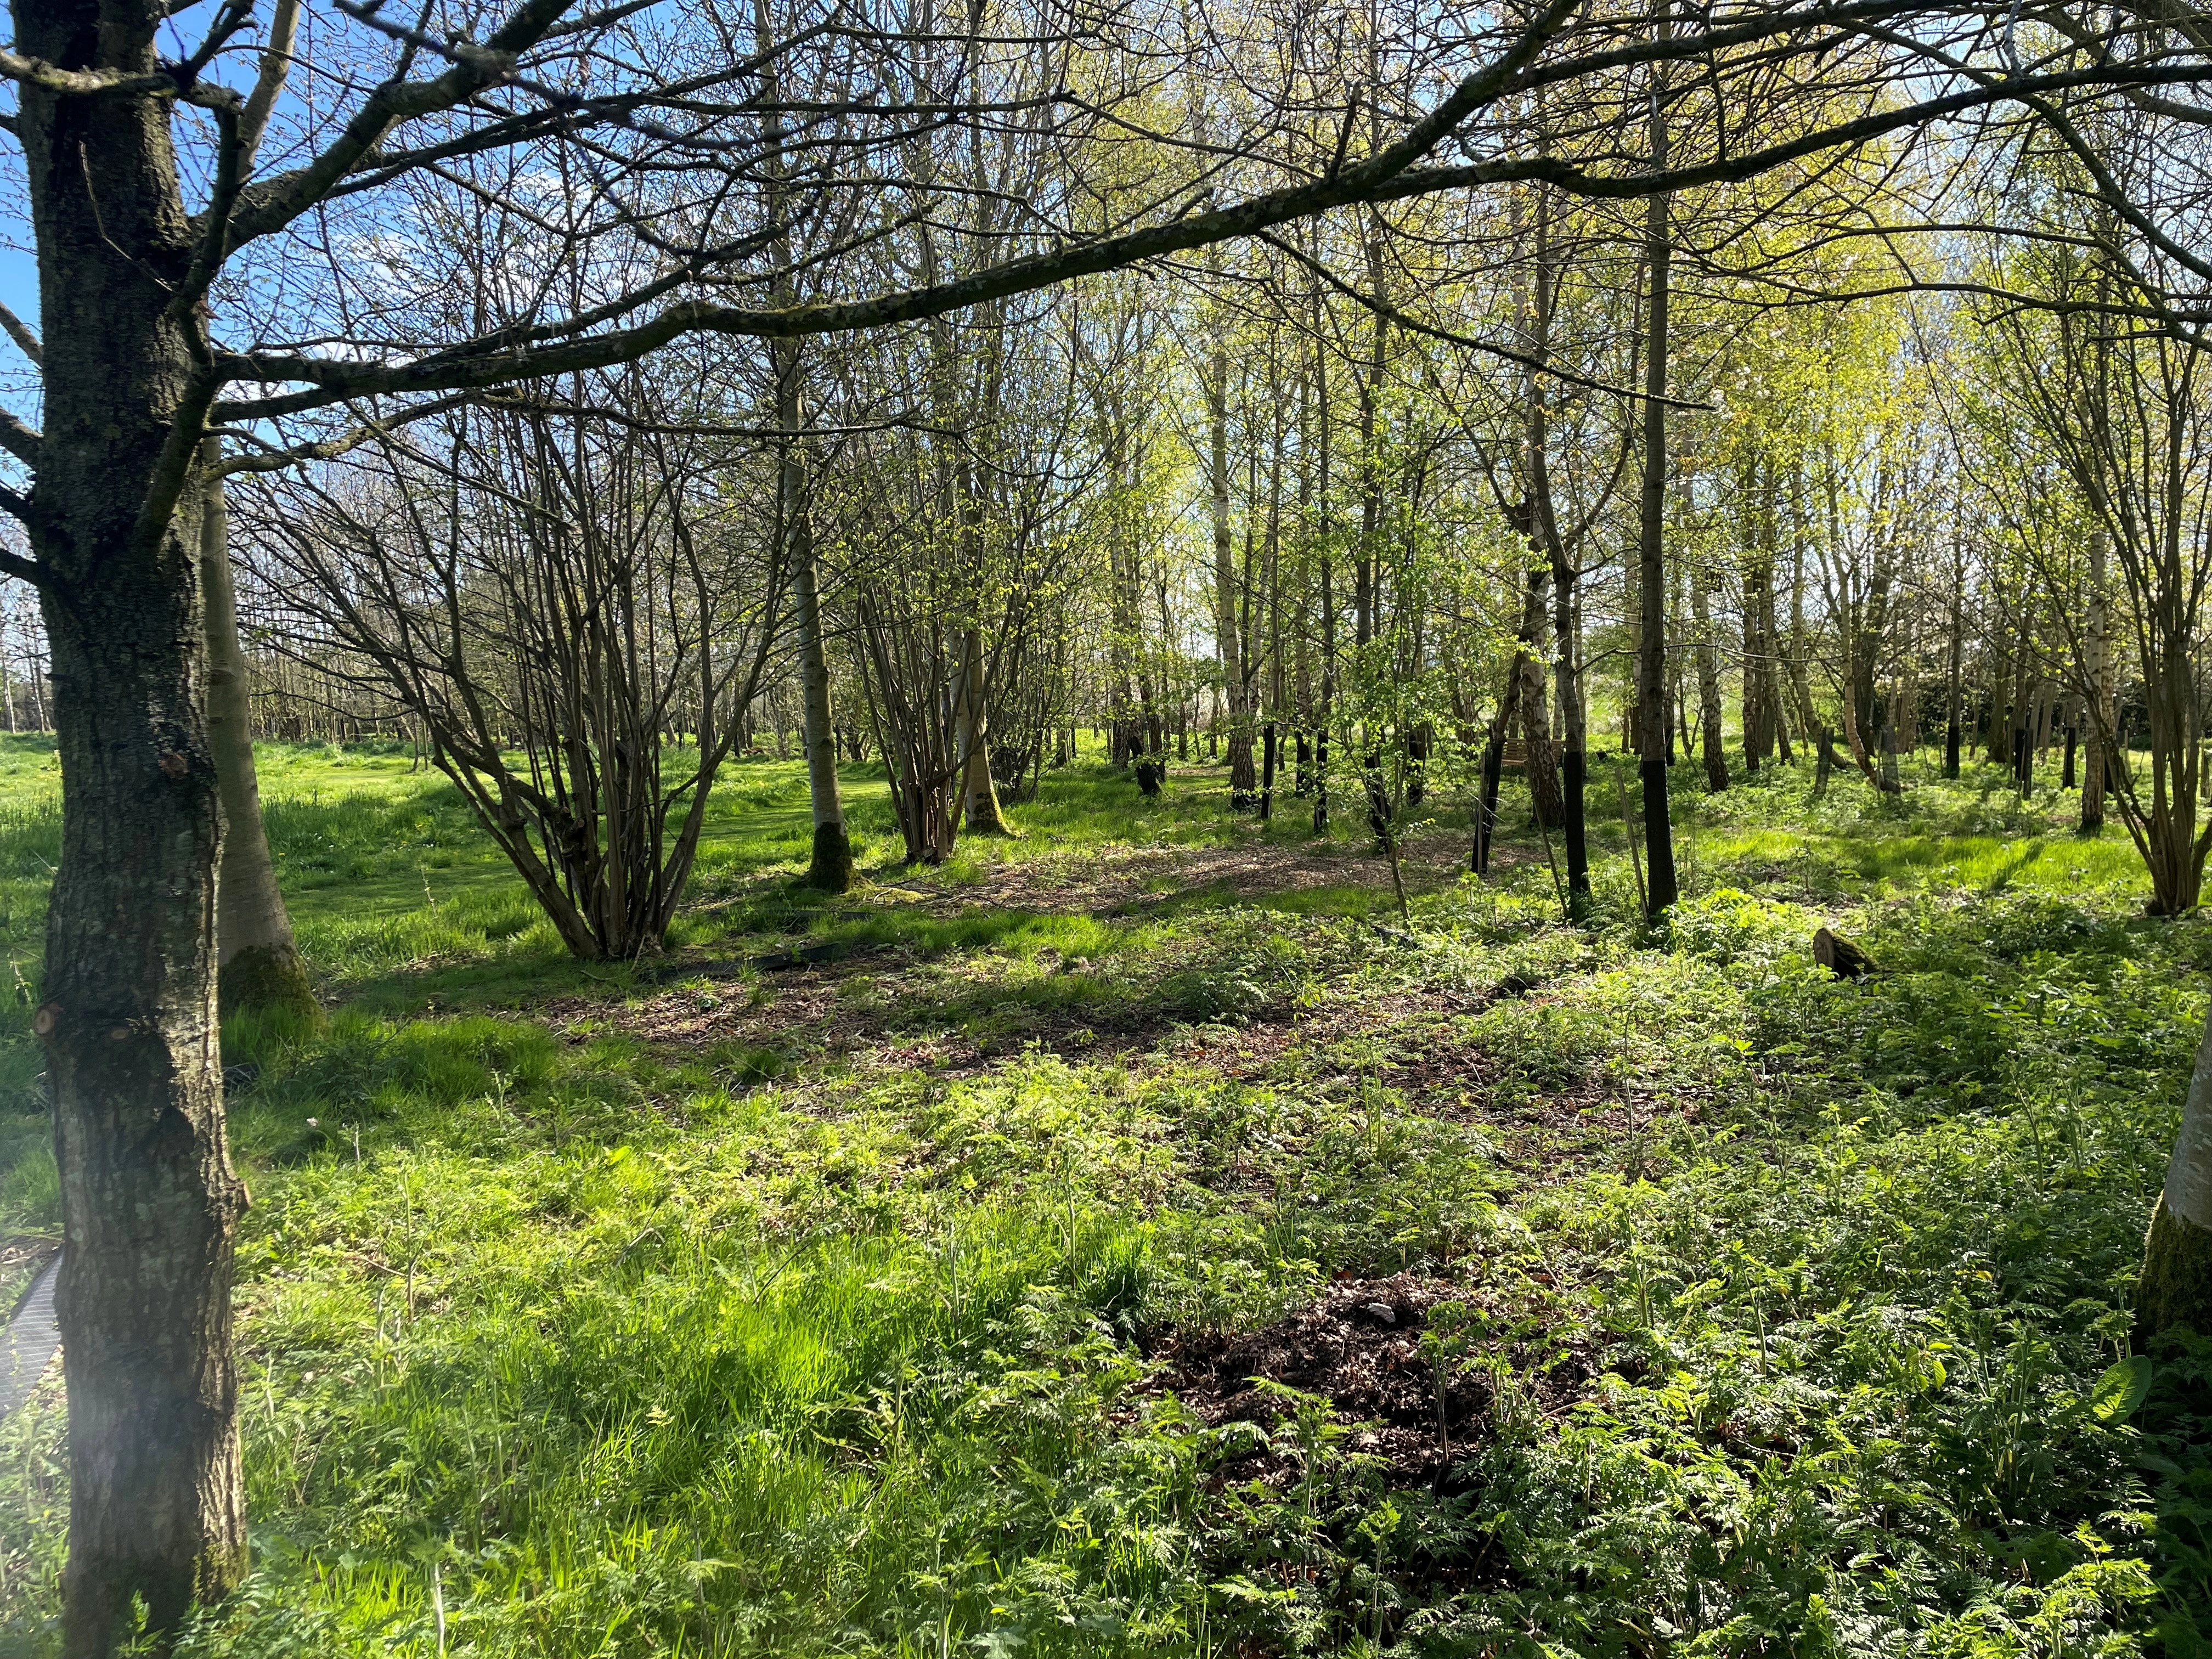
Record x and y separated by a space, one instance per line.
1840 957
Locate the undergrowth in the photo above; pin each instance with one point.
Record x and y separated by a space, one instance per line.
1796 1309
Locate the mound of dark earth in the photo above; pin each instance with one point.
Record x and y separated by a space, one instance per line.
1359 1346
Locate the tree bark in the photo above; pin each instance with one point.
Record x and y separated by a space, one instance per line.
1661 885
1228 634
1800 678
1545 807
2098 671
1574 759
978 811
1708 681
1325 715
1763 726
1538 766
1999 733
257 961
149 1203
830 865
1954 716
1556 800
1493 766
1367 565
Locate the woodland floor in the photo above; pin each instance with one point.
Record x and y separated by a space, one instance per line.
1137 1237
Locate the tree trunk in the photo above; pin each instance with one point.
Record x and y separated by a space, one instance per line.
1999 734
1661 886
149 1203
1493 766
1708 681
1762 705
1574 759
259 963
7 679
1954 716
2175 1288
1557 791
1801 684
1631 698
1366 573
830 866
2097 664
2167 833
1534 706
1540 768
1228 632
1325 715
977 812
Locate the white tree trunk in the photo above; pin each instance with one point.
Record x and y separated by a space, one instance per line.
2176 1287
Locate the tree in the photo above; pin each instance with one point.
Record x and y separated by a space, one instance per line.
1229 591
2127 423
550 595
258 964
1653 740
830 865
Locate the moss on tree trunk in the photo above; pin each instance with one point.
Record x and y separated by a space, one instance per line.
2176 1285
832 868
267 978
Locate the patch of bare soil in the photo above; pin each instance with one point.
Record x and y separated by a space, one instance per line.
1359 1347
1129 880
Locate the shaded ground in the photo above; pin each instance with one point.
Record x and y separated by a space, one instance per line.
1158 879
881 1010
845 999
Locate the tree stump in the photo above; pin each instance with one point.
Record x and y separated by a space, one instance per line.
1840 957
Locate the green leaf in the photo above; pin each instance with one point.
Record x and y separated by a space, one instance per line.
2121 1389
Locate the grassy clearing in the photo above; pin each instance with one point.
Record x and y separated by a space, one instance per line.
909 1304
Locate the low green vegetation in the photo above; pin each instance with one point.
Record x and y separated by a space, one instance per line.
1132 1238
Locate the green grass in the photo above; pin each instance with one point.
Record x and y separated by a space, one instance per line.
626 1315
